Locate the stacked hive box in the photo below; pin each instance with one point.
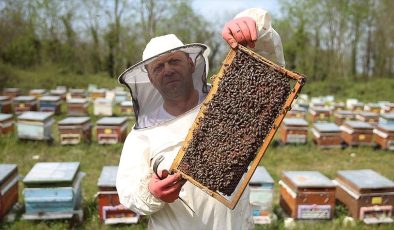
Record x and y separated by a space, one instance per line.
53 191
368 195
326 135
297 112
126 107
320 113
307 195
103 106
109 208
77 93
111 130
386 119
8 188
343 115
24 103
50 104
77 106
5 104
369 117
357 133
11 92
384 136
261 193
37 93
6 123
294 130
73 130
97 93
373 108
35 125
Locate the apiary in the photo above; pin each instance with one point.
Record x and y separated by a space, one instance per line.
62 93
50 104
24 104
77 106
111 130
384 136
77 93
248 99
120 96
297 112
357 133
307 195
357 107
5 104
388 108
111 211
126 108
343 115
326 135
294 131
6 123
386 118
53 191
8 188
261 194
37 93
372 107
97 93
74 130
35 125
369 117
103 106
367 195
320 113
11 92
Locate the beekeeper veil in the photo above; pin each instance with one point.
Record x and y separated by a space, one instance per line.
147 101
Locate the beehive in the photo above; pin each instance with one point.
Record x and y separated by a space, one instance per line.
326 135
35 125
120 96
126 108
388 108
59 92
357 107
11 92
37 93
97 93
74 130
261 194
77 106
368 195
338 106
370 117
53 191
103 106
297 112
307 195
384 136
6 123
5 104
8 188
357 133
111 211
294 131
50 104
24 104
320 113
111 130
238 119
77 93
343 115
372 107
386 119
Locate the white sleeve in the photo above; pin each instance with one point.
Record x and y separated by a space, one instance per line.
133 177
268 43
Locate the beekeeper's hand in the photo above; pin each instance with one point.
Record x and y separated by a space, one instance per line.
240 30
166 189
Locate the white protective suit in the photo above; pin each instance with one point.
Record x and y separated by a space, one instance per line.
143 146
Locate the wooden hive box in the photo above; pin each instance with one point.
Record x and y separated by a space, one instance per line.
74 130
367 195
111 211
343 115
326 135
369 117
111 130
35 125
388 108
77 107
120 96
8 187
297 112
372 107
97 93
248 99
6 123
62 93
386 119
103 106
126 108
320 113
357 133
384 136
24 104
294 131
77 93
12 92
307 195
357 107
53 191
37 93
5 104
261 195
50 104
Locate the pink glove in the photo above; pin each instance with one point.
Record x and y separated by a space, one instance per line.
168 188
240 30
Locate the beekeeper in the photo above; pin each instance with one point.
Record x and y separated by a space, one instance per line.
167 89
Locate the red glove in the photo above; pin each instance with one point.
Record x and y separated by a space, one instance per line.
240 30
168 188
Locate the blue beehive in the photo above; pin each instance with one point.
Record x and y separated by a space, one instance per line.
50 104
120 96
386 119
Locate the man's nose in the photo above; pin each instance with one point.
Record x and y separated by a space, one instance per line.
167 70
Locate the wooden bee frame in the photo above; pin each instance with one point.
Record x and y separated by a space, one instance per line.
235 196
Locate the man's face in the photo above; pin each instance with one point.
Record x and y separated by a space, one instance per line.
171 74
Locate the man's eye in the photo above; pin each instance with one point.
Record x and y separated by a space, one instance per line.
158 68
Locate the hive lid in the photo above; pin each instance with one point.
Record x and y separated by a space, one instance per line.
358 124
52 173
261 176
120 93
74 120
344 112
103 100
295 121
111 121
24 98
58 91
5 116
308 179
38 91
108 176
77 100
126 103
365 179
35 116
50 98
5 171
387 127
77 90
326 127
388 116
368 114
320 109
4 98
